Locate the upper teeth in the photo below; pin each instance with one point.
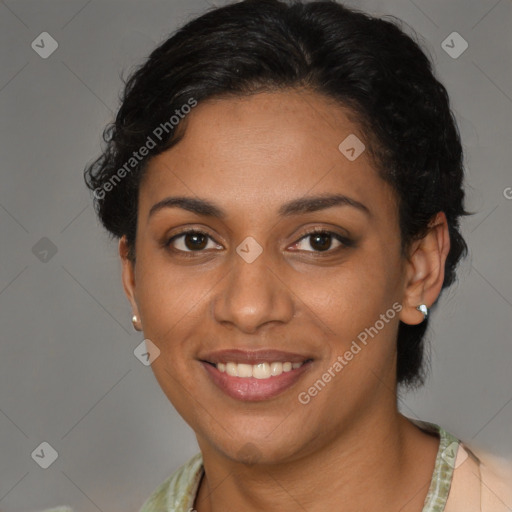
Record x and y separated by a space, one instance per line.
259 371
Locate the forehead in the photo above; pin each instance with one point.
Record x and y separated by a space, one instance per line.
279 126
265 149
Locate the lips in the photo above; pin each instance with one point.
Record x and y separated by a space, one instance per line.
254 375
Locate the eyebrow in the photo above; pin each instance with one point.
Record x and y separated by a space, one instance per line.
294 207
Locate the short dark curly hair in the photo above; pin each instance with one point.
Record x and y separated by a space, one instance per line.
365 63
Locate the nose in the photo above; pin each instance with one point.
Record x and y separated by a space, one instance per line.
253 294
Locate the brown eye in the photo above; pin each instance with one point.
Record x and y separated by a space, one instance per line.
190 241
322 241
195 241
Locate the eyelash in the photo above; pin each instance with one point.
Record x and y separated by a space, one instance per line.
345 242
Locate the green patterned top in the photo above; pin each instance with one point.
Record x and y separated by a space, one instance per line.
178 492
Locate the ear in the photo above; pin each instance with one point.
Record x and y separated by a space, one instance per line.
425 270
128 278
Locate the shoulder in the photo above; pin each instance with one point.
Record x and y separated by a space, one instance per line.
481 483
466 479
177 493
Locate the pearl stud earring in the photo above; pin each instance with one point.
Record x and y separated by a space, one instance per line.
423 308
134 322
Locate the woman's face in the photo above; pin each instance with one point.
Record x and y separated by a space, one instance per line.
255 289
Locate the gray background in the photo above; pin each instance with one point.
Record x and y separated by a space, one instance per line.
68 375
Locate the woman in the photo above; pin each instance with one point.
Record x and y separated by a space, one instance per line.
286 185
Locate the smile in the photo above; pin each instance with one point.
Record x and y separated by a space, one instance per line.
255 376
258 371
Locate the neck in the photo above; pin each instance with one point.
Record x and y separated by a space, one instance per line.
382 462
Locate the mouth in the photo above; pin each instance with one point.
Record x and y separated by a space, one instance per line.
258 371
255 376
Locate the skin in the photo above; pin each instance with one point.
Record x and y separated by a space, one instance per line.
249 156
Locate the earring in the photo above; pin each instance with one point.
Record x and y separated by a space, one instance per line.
134 322
423 308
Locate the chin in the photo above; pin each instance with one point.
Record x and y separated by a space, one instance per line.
269 451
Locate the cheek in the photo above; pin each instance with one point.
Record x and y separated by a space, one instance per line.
355 306
165 289
170 300
353 295
172 305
